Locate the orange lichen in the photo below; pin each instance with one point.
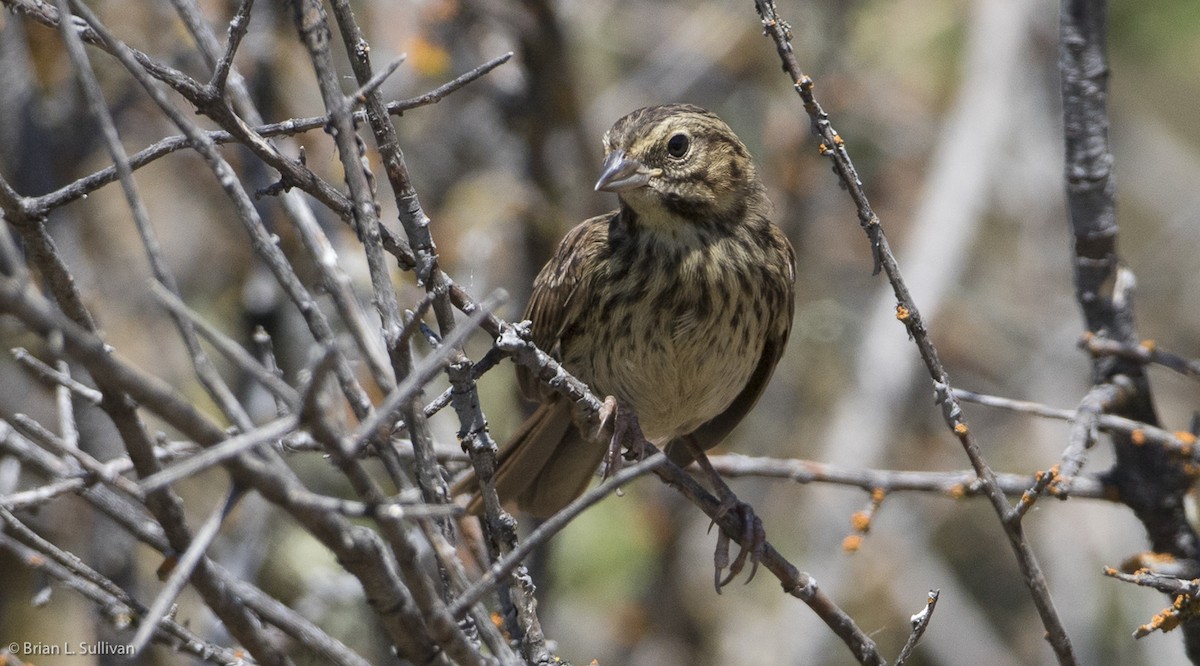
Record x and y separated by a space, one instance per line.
877 495
902 312
1138 437
851 543
1165 621
960 429
427 57
1149 345
958 491
860 521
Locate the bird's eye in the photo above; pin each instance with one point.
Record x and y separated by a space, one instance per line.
677 146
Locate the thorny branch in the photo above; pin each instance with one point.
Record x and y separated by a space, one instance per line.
834 147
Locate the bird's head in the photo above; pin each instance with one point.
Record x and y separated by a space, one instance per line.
679 163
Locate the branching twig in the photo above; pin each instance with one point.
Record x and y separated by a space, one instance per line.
834 147
1181 443
954 485
1184 609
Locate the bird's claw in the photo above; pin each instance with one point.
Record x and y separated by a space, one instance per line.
620 424
753 542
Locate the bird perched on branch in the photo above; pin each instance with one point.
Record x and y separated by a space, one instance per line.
678 303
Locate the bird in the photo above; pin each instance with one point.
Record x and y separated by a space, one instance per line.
678 304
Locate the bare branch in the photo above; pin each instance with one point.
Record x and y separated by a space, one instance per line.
1147 479
1143 352
834 147
954 485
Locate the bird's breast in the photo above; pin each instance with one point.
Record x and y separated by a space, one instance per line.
678 339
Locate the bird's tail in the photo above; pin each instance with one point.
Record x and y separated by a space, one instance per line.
547 463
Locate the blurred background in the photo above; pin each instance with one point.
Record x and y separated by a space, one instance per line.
951 112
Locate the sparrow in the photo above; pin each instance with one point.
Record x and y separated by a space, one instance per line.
678 304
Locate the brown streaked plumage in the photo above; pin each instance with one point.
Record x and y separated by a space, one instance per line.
678 304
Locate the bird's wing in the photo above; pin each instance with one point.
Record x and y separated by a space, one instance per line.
562 291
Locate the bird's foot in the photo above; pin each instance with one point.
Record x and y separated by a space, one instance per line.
753 543
752 538
620 424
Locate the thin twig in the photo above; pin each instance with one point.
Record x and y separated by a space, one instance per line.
228 348
401 510
118 606
1143 352
794 582
374 426
247 214
359 550
1042 482
205 371
53 377
1099 399
215 455
834 147
88 184
239 25
919 621
181 571
553 525
954 485
1181 443
106 473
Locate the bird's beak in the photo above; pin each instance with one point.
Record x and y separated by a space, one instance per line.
621 173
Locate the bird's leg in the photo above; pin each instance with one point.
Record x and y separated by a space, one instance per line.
609 429
753 538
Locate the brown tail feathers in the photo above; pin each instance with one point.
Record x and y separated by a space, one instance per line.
547 463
